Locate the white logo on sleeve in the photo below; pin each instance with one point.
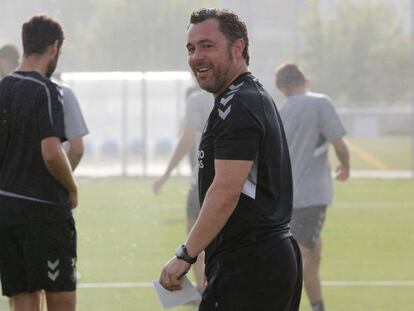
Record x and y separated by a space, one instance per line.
225 113
225 100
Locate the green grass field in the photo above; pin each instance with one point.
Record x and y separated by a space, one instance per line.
379 153
126 234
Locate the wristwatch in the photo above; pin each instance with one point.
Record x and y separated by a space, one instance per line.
181 253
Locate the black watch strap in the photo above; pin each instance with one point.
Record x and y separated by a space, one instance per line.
181 253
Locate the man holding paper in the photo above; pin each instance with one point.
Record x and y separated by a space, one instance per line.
245 182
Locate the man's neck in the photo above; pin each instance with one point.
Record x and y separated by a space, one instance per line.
241 70
296 90
33 63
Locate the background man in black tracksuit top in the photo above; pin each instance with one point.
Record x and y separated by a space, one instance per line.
245 182
37 188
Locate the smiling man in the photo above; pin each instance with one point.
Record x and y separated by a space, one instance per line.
245 182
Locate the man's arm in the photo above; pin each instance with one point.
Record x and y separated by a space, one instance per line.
182 148
59 167
342 153
75 151
220 201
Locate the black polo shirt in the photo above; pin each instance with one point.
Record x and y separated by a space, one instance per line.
245 125
30 111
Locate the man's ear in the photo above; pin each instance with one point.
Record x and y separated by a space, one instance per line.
53 49
238 48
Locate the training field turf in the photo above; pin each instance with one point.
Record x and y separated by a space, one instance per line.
126 234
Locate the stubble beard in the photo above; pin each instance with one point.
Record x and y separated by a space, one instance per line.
52 66
221 75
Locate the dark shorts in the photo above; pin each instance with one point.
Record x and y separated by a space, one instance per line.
193 203
269 280
307 223
40 256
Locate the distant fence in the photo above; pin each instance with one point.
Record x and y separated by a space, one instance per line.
134 120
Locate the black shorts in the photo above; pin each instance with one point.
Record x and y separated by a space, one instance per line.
268 280
40 256
307 223
193 203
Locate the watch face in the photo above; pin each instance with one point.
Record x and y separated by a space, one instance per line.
181 253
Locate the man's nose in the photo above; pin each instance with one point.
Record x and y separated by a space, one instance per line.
198 54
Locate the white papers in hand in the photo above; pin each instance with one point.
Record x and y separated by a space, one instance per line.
172 299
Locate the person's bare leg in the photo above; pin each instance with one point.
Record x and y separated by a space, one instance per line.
311 268
25 302
61 301
42 299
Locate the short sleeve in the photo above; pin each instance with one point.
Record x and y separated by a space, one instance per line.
50 112
238 134
75 125
330 124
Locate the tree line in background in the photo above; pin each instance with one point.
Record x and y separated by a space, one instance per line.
139 35
359 53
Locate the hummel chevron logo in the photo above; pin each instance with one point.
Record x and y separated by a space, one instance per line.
233 87
225 113
53 272
53 265
224 101
53 276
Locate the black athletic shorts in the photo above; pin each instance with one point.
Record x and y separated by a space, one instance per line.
193 203
268 280
40 256
306 224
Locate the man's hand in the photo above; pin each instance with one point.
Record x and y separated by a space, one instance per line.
342 153
171 276
156 187
342 173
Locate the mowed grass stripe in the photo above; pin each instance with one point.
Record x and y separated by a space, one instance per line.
324 283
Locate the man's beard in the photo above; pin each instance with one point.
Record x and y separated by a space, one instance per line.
52 66
220 75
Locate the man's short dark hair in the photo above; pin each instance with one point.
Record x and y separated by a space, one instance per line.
229 24
40 32
288 75
10 53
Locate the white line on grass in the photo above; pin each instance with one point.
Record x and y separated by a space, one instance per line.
324 283
351 205
367 283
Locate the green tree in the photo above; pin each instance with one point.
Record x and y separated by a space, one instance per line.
360 54
136 35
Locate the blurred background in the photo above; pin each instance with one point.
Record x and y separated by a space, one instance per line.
358 52
126 62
